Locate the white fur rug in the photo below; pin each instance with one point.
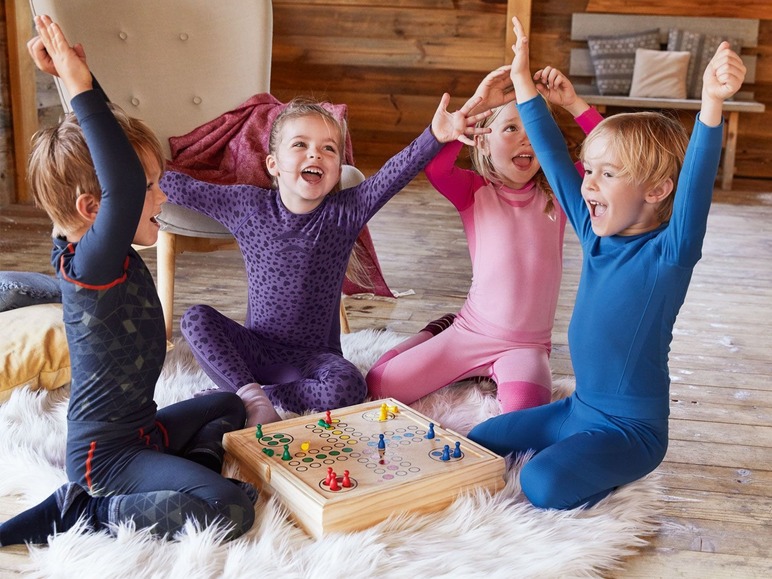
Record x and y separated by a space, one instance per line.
477 536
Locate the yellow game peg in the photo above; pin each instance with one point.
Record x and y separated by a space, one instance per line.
305 446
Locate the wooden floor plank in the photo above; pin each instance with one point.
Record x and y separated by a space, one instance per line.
746 481
709 536
689 563
722 433
712 454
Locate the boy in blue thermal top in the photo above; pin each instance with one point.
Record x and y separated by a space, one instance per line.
640 212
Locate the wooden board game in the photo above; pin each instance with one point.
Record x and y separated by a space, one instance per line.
384 458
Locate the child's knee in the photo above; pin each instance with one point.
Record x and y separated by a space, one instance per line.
353 388
237 510
374 378
231 407
550 488
341 385
522 395
542 488
194 317
381 362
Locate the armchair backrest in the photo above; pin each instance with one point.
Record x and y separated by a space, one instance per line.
176 64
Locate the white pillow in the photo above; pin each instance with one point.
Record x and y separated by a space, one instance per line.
660 74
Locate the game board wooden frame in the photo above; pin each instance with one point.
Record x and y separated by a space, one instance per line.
320 511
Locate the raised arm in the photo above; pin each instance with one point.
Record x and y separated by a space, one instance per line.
545 136
723 77
103 245
520 72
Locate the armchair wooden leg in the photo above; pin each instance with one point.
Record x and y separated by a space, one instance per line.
344 327
166 249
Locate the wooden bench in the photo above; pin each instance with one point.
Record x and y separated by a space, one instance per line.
582 72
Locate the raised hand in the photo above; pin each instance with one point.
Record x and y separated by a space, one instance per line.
495 89
555 86
447 126
558 90
520 70
53 54
724 74
723 77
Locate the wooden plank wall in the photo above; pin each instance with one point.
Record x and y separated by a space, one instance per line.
390 60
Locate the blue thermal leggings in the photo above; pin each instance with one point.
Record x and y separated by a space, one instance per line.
582 454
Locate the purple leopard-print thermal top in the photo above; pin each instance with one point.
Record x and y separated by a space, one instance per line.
296 262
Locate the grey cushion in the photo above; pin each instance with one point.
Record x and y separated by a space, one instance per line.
20 289
702 48
613 58
183 221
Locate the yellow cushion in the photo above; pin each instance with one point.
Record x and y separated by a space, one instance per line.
33 349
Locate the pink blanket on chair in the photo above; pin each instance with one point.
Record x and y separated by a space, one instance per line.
232 149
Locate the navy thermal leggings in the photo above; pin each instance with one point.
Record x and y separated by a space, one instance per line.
170 474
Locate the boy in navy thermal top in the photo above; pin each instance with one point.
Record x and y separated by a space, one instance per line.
96 174
640 213
296 240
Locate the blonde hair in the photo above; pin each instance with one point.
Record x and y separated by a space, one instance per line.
60 167
298 108
650 148
483 164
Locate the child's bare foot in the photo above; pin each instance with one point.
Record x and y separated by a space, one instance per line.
259 407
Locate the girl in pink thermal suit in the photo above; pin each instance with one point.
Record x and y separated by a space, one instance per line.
514 230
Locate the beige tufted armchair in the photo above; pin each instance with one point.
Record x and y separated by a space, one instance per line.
176 64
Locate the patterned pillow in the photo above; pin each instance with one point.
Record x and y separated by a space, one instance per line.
613 58
702 48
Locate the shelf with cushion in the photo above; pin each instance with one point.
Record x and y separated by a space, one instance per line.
644 65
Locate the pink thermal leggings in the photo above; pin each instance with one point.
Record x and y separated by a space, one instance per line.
424 363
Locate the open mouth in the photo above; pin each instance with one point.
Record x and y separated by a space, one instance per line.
597 209
523 162
312 175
